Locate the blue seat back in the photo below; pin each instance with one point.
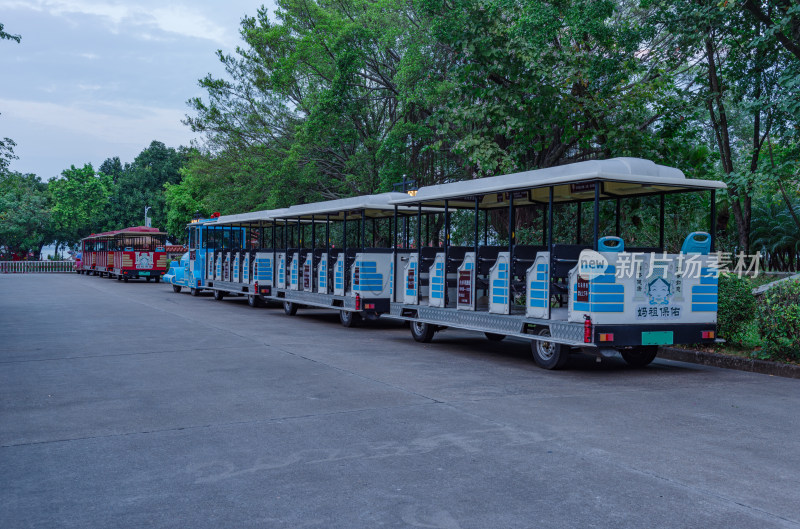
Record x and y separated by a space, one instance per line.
610 244
697 242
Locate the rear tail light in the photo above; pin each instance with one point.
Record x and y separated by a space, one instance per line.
587 330
708 335
358 301
606 337
369 306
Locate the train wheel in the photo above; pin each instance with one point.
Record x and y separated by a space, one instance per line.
422 332
254 301
218 295
194 292
549 355
349 318
492 337
640 356
176 288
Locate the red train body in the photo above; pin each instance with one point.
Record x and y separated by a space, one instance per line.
130 253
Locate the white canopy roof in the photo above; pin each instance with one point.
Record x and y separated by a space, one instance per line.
383 203
266 215
630 176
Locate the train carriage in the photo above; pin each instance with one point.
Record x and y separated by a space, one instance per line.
139 252
88 254
595 295
338 254
228 255
95 251
238 256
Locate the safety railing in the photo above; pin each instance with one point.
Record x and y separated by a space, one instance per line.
36 267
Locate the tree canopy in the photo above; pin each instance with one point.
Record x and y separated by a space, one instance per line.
24 213
328 99
139 184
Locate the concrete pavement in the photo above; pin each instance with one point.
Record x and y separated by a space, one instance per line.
126 405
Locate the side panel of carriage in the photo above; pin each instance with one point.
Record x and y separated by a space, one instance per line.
134 263
315 279
648 299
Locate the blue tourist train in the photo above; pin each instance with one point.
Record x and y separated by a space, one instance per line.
435 258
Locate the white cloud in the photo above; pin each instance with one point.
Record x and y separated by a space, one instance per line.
182 21
176 19
118 123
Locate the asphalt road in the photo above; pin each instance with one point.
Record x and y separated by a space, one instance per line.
126 405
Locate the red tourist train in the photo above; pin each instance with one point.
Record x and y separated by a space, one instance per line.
129 253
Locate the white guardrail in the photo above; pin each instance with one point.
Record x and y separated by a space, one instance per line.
36 267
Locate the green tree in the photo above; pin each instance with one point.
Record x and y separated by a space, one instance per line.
7 144
317 99
542 83
24 213
746 79
8 36
139 184
80 203
183 201
6 154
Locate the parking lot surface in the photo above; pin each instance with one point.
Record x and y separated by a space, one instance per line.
127 405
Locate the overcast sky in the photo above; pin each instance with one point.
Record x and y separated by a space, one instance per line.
93 79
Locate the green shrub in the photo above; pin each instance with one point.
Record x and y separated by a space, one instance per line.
779 321
736 306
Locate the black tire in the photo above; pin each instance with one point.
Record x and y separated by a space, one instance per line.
176 288
194 292
289 308
125 279
492 337
254 301
422 332
218 295
158 279
147 278
349 318
549 355
640 356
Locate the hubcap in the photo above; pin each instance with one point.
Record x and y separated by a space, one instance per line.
546 350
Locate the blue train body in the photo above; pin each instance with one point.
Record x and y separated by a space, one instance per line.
190 271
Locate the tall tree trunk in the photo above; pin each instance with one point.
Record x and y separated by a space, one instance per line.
786 198
719 122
